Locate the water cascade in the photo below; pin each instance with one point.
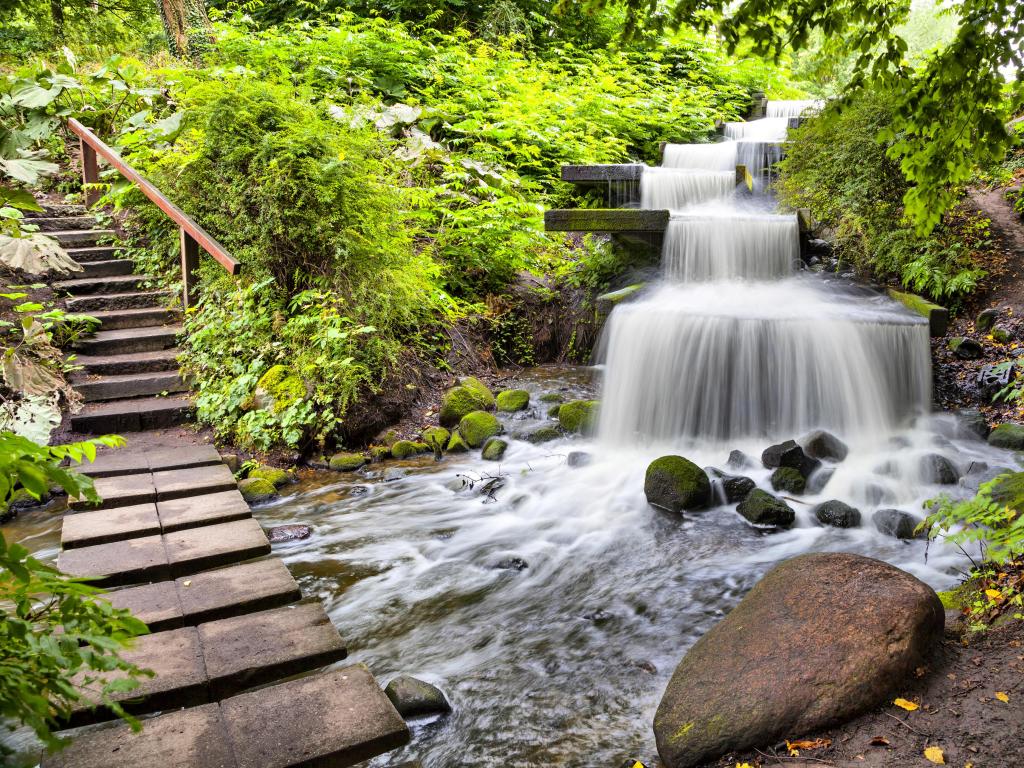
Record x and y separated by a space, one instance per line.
795 108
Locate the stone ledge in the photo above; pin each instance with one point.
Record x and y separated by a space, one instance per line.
937 317
605 220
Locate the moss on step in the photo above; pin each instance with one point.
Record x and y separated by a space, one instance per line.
937 317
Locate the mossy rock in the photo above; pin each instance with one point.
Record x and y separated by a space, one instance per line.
278 388
21 499
436 437
494 449
256 489
1001 335
543 435
477 426
553 411
456 444
1009 436
789 480
552 397
512 400
578 416
482 390
460 400
761 508
403 449
277 477
676 484
347 462
380 453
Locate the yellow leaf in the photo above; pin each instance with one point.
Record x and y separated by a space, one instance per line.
935 755
995 594
907 705
744 765
1002 697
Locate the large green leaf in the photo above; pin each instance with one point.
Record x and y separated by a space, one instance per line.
27 170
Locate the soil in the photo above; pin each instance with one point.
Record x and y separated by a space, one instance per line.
958 712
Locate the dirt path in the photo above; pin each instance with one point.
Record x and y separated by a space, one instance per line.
1004 286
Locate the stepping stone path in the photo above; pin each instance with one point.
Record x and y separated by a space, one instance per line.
129 378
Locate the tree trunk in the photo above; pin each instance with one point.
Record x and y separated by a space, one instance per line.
186 25
57 14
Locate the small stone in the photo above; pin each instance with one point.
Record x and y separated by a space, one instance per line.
379 453
282 533
837 514
599 617
494 449
896 522
552 397
456 444
966 348
415 698
820 444
935 468
739 460
789 454
255 489
761 508
347 462
578 459
512 564
1009 436
733 488
278 477
512 400
231 460
1001 334
676 484
789 480
986 319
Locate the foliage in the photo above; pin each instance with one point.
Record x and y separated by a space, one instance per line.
992 519
851 183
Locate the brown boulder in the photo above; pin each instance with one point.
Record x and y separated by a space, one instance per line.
819 639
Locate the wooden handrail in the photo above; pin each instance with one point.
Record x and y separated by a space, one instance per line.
193 236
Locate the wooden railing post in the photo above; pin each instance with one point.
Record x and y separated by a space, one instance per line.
90 174
189 269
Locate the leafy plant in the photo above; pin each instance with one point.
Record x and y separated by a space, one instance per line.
992 519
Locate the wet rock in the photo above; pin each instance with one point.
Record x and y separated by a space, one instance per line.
379 453
676 484
739 460
789 454
436 437
820 444
972 423
818 480
470 395
833 635
966 348
578 459
578 416
494 449
936 468
789 480
978 472
477 427
552 397
543 434
512 400
734 488
553 411
393 474
255 489
232 461
282 533
761 508
458 484
278 477
456 444
986 319
1002 335
836 513
404 449
876 494
415 698
512 564
599 617
1009 436
347 462
896 522
21 500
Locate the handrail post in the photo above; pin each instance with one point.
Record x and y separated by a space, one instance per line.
90 173
189 268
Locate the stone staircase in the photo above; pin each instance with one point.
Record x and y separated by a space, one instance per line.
129 378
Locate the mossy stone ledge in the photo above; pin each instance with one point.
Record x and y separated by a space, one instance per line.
512 400
676 484
937 317
477 426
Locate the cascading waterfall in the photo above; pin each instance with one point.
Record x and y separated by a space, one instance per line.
793 108
734 343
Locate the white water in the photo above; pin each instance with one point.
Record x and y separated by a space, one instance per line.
675 188
793 108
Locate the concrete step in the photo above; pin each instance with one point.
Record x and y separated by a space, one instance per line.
338 718
55 223
117 284
128 385
110 301
127 340
117 319
93 253
167 556
164 485
108 268
81 238
117 416
211 595
111 462
133 362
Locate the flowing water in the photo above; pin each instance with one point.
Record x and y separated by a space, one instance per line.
550 601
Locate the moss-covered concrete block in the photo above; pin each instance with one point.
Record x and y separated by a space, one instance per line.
605 220
937 317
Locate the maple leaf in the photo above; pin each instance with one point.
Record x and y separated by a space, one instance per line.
1002 697
935 755
907 705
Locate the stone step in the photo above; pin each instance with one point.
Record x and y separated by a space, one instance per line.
55 223
93 253
85 529
81 238
127 461
220 658
338 718
56 209
108 268
136 415
127 340
117 284
117 319
162 485
133 362
128 385
103 302
211 595
167 556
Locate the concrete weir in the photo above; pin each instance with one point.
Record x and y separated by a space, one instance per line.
174 532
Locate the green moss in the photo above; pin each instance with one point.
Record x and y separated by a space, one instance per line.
436 437
1001 335
1009 436
480 389
282 386
553 411
494 449
457 444
458 401
477 426
380 452
513 400
347 462
277 477
957 598
676 484
403 449
938 317
544 435
552 397
789 480
578 416
256 489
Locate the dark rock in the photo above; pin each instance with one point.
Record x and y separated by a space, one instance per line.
789 480
761 508
1001 334
837 514
1009 436
543 434
986 319
876 494
646 666
232 461
965 348
818 480
937 469
972 423
739 460
599 617
789 454
833 635
494 449
820 444
578 459
896 522
281 533
415 698
731 488
512 564
676 484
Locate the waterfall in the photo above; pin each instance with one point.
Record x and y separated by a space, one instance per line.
723 244
675 188
767 129
707 157
794 108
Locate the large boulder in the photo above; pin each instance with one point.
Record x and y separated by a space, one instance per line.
820 444
821 638
415 698
512 400
676 484
761 508
789 480
1009 436
477 426
469 395
789 454
936 468
837 513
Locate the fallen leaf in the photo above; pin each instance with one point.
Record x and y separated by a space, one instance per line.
744 765
187 582
907 705
935 755
1002 697
995 594
879 741
808 744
